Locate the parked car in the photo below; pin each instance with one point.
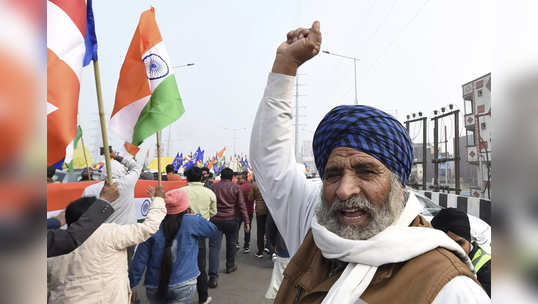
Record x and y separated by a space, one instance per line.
64 176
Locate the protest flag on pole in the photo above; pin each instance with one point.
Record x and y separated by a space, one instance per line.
221 152
70 150
71 45
147 96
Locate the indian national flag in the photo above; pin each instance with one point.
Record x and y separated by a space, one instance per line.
147 97
70 150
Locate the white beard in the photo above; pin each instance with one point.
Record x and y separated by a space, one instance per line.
377 220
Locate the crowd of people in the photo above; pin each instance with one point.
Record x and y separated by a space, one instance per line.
356 236
171 243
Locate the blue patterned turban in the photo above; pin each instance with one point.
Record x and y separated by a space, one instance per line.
366 129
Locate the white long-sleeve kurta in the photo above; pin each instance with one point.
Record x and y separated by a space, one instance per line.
290 197
124 208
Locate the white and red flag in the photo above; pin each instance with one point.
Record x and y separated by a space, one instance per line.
71 44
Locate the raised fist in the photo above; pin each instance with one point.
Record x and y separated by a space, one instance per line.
300 45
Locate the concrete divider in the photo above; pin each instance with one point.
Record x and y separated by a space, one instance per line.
472 205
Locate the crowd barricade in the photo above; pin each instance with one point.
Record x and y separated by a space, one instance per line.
59 195
475 206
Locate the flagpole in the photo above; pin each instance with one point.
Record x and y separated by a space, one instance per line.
102 120
159 177
146 159
85 158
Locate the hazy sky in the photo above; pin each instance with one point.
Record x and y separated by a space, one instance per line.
414 56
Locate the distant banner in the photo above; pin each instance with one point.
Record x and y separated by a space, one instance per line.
59 195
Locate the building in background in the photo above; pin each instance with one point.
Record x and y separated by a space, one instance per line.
307 158
418 170
477 117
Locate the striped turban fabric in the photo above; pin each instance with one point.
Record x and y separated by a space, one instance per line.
368 130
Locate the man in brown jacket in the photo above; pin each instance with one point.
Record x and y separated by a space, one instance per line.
261 217
230 206
358 235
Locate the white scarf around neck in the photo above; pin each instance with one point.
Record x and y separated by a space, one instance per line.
397 243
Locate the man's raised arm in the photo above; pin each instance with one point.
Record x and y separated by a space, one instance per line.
288 195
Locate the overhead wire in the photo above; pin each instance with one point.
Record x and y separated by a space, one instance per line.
383 22
395 39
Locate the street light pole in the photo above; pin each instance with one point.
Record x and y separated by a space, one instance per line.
170 126
234 130
354 66
183 65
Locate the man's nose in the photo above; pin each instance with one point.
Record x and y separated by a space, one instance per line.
348 187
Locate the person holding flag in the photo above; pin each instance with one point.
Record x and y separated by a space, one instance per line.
147 100
125 172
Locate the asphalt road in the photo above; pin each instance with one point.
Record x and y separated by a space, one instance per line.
246 285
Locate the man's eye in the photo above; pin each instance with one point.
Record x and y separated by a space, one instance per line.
331 177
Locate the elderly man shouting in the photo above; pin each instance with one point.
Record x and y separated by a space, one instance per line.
359 235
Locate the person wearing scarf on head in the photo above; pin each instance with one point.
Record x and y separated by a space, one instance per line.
169 259
358 234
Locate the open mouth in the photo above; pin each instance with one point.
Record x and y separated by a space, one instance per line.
353 216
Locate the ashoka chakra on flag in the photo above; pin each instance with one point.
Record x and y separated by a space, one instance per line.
155 66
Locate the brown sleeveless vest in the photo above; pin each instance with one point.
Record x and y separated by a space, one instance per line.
307 278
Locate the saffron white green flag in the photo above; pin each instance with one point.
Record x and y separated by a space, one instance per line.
147 97
70 150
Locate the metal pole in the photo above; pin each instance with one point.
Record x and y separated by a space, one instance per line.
159 177
102 120
234 136
85 157
435 155
446 157
355 74
424 158
355 69
183 65
457 149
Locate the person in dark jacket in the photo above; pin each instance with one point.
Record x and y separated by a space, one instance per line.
245 185
230 206
61 242
455 224
274 236
261 217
